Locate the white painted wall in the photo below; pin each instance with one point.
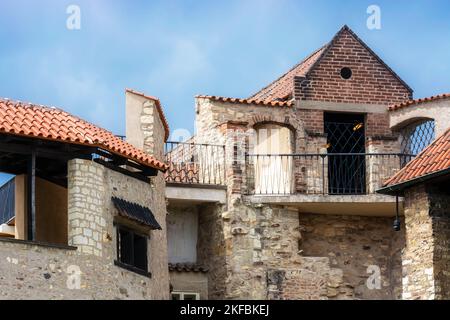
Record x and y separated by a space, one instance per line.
438 110
182 233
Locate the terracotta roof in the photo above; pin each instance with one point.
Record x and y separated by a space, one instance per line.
158 107
283 87
417 101
33 121
434 158
249 101
187 267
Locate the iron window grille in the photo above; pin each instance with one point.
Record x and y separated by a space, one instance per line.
417 136
132 251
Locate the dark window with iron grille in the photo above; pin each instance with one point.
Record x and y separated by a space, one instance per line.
132 251
417 136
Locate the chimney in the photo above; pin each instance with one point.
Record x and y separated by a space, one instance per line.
146 126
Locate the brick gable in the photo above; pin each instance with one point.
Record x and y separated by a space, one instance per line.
372 81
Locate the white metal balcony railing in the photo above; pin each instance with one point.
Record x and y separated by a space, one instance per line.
326 174
191 163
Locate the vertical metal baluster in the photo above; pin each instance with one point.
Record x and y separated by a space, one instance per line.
323 174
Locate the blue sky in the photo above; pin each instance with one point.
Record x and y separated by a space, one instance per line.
177 49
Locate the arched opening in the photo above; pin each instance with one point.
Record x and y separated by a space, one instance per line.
416 136
273 163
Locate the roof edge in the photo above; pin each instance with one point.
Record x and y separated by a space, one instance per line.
284 74
158 107
408 103
354 35
393 189
259 102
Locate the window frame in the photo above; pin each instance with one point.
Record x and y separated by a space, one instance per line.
181 294
131 267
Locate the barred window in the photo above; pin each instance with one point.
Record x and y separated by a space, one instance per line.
416 136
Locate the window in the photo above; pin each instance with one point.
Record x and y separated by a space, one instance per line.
132 251
416 136
185 296
346 73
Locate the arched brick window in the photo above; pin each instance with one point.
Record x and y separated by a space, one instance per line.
416 136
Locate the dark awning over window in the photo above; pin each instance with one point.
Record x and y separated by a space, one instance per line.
136 212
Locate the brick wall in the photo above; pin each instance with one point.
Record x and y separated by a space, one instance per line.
371 81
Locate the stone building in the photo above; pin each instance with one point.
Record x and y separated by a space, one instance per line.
85 213
425 185
275 196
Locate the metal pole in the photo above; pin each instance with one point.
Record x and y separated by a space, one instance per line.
31 197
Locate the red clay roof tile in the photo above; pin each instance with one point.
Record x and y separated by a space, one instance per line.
284 86
434 158
417 101
249 101
42 122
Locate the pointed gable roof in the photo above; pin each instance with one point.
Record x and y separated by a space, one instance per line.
283 88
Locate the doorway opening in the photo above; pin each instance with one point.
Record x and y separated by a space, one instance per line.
345 142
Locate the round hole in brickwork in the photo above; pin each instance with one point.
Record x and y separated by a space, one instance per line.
346 73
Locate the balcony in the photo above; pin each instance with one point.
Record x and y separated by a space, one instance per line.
196 172
323 183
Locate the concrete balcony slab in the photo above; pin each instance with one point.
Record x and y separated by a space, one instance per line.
196 193
363 205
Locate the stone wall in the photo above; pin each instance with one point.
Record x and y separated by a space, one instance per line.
353 244
212 248
439 206
426 260
31 271
311 279
258 250
28 268
276 253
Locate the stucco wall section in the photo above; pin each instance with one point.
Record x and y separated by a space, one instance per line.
182 232
438 110
195 282
144 127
